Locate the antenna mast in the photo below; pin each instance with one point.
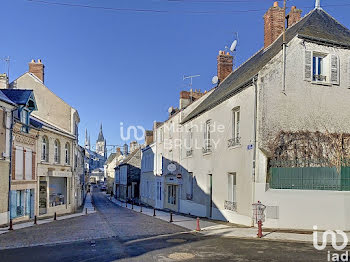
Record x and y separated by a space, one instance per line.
7 61
318 4
191 78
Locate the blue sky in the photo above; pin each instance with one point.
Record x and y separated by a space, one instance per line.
127 66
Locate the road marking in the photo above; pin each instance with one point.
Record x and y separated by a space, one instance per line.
155 237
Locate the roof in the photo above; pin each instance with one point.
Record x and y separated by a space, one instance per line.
36 122
316 26
111 157
100 135
128 158
18 96
5 99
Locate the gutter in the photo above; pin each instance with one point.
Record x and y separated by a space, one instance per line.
255 136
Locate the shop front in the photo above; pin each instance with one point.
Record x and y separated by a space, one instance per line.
22 204
55 193
172 192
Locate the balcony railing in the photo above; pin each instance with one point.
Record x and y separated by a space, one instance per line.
189 152
234 142
320 78
230 205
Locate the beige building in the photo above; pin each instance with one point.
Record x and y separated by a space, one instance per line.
111 162
6 109
57 144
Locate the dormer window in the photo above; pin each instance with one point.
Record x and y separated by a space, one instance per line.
24 117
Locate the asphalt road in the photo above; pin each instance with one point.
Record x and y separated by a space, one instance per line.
115 233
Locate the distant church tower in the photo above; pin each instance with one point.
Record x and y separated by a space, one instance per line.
101 148
87 140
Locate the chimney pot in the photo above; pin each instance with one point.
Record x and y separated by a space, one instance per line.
275 4
37 69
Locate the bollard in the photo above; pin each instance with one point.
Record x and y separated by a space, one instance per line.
132 205
55 216
11 225
171 217
35 220
198 227
86 211
94 208
126 203
260 234
140 208
154 212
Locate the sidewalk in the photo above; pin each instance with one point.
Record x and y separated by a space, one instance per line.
209 228
87 206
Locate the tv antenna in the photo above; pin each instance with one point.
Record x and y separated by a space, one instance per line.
7 61
191 78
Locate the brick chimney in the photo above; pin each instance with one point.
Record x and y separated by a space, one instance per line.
149 137
187 97
37 69
294 16
274 20
225 64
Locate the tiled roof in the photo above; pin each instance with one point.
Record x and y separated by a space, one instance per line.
18 96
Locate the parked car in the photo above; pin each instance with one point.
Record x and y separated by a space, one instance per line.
103 188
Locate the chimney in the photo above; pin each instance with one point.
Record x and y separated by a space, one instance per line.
4 83
225 64
274 21
125 150
294 16
187 97
149 137
133 146
37 69
118 151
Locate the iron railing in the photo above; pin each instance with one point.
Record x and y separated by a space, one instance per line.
229 205
189 152
234 142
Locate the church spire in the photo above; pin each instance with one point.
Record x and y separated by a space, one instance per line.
100 135
87 140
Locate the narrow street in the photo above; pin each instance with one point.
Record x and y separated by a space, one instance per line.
115 233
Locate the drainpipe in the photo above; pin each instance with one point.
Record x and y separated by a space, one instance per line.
284 51
255 135
10 158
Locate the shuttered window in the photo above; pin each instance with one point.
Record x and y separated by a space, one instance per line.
308 66
19 163
28 164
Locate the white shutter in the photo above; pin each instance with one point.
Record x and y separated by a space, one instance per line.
28 167
334 74
308 66
19 163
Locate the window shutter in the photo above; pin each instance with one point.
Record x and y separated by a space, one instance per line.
334 70
308 66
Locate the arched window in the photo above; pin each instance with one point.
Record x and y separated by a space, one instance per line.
45 149
67 154
57 156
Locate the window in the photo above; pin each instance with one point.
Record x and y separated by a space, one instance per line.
161 135
189 143
19 163
236 118
207 138
24 117
45 149
57 155
171 129
318 68
232 187
189 193
67 154
321 68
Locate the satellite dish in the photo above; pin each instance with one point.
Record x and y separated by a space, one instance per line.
215 80
233 46
170 110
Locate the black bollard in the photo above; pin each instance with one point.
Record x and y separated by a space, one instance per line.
171 217
55 216
35 220
132 205
126 203
11 225
154 212
85 211
140 208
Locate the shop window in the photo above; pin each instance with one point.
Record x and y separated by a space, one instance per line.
172 194
57 191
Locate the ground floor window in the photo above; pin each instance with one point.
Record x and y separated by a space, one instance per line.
172 194
22 203
57 191
159 190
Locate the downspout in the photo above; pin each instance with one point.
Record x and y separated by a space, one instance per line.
284 45
10 158
255 135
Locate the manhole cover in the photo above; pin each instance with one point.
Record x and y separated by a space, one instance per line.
176 240
181 256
